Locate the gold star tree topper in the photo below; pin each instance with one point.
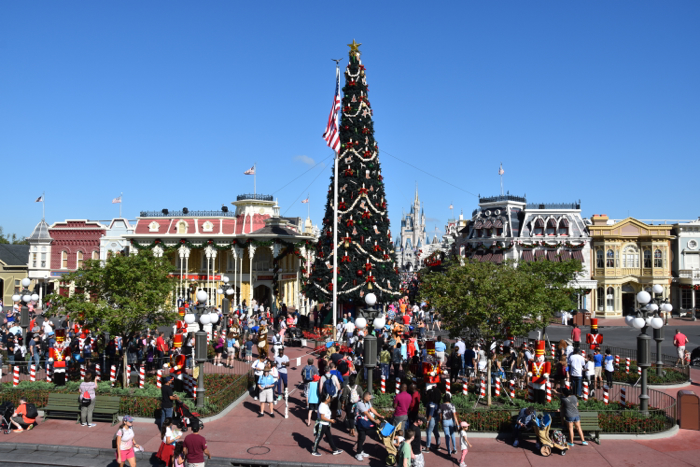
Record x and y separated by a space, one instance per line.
354 47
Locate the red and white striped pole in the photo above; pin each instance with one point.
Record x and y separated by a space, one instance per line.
447 386
113 375
530 392
128 375
82 372
623 396
549 392
568 384
194 391
627 365
383 384
15 376
142 376
606 394
98 373
500 348
465 389
512 389
639 370
617 362
553 351
398 385
159 373
497 389
32 373
585 390
482 393
48 373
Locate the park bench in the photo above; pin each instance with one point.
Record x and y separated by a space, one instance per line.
68 406
589 424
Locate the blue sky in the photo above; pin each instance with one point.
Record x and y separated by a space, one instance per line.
169 102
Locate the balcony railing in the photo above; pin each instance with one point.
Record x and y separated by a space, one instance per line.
257 197
167 213
554 205
689 273
492 199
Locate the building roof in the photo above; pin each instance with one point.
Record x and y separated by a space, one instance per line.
41 232
14 255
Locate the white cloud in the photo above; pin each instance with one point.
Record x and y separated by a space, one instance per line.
305 160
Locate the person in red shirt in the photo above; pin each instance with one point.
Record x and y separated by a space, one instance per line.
402 402
576 336
414 408
195 447
406 319
680 340
161 349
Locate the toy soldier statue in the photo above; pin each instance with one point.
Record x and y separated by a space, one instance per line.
593 339
538 372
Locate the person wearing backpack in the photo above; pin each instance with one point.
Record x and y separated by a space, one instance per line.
87 400
348 399
24 416
307 375
330 385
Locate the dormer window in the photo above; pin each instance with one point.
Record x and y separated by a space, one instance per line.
153 226
182 227
564 227
551 228
539 227
207 227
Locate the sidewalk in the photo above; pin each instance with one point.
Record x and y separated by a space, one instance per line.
242 436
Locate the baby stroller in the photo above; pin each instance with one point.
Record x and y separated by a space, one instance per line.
6 410
541 429
387 432
183 418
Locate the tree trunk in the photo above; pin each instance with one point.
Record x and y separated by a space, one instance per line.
125 375
488 384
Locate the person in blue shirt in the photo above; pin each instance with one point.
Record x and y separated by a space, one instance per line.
266 383
598 362
523 423
440 348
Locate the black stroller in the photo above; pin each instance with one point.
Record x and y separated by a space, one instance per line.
6 410
183 418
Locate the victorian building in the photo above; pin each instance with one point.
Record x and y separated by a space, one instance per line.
13 268
686 267
628 256
507 227
413 236
263 255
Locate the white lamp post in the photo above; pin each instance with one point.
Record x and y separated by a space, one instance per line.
370 341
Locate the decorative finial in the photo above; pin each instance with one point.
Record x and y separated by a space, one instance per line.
354 47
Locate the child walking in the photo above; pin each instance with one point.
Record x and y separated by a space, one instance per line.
464 442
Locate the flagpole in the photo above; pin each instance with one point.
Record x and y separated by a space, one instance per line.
43 206
120 204
255 174
308 206
335 227
500 172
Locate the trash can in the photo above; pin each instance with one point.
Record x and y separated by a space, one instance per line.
688 410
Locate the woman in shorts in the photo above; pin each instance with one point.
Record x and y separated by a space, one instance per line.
126 442
569 411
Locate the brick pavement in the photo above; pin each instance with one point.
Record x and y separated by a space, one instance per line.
241 435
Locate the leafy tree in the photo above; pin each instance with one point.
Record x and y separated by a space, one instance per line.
12 239
125 295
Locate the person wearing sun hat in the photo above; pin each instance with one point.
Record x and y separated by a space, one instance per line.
464 442
266 383
126 442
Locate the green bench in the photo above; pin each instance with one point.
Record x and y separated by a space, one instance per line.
68 406
589 424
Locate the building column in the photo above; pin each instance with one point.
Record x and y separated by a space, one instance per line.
251 254
211 257
234 254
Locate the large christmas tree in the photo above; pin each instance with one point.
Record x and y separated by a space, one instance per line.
366 261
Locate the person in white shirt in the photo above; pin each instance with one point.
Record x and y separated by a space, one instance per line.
590 369
461 348
576 365
325 419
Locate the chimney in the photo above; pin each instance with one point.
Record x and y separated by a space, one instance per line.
600 219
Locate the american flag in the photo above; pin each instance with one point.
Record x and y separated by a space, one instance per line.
501 171
250 171
304 201
117 200
331 134
39 199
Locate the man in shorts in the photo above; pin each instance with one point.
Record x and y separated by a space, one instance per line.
20 419
598 361
680 340
266 383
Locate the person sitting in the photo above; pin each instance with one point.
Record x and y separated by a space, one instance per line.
20 419
523 423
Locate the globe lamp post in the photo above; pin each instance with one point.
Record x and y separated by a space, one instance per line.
367 315
203 317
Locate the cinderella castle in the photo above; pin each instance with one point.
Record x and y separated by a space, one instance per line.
413 237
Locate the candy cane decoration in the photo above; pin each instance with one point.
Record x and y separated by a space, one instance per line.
512 389
465 389
623 396
142 376
383 384
48 373
15 378
552 350
113 375
639 370
617 362
194 392
447 386
483 387
398 385
497 389
627 365
549 392
128 374
98 373
585 390
606 394
32 373
82 372
159 373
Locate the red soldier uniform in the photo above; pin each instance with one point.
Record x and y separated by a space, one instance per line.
431 373
538 371
593 339
58 356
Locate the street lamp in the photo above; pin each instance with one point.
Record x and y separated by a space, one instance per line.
226 302
25 297
648 315
204 317
367 314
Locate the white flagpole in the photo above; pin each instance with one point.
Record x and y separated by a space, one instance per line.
43 206
500 172
335 228
120 204
308 206
255 174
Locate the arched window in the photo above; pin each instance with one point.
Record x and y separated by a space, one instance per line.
658 259
600 262
647 258
630 258
64 260
611 299
539 227
551 227
601 296
95 254
79 260
564 227
610 261
182 227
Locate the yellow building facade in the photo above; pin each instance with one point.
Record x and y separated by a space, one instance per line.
628 256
